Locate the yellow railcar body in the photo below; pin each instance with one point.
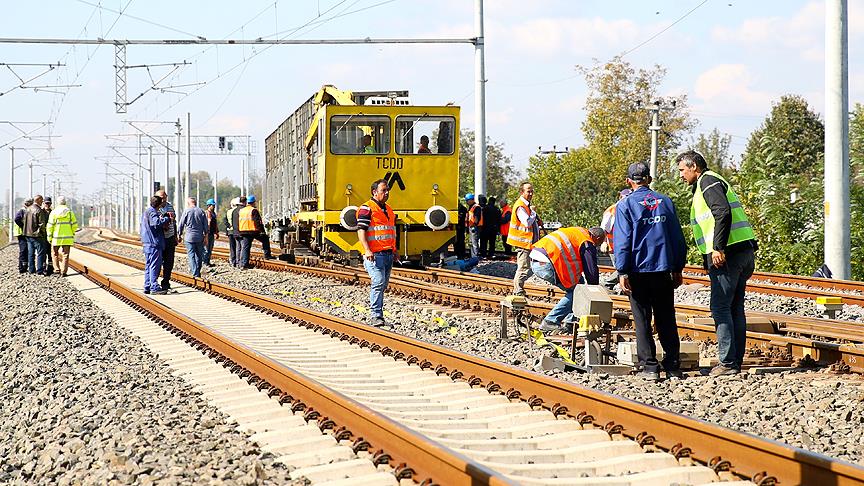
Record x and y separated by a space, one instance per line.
418 181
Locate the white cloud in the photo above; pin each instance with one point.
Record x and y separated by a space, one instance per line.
728 87
580 36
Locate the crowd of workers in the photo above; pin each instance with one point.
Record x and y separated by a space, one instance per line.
644 236
641 231
45 236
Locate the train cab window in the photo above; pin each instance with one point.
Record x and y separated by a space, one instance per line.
359 134
425 134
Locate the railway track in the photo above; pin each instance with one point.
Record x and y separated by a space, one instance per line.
825 341
442 417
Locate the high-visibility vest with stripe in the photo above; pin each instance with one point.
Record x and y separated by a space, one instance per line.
610 235
562 248
229 225
245 220
381 234
518 235
62 226
506 212
702 220
472 221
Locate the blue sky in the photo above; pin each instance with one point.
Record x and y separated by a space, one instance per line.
731 59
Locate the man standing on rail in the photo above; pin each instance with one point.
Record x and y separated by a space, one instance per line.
728 246
237 236
561 258
170 230
376 230
152 243
62 225
650 254
35 220
523 233
212 230
229 231
251 228
193 228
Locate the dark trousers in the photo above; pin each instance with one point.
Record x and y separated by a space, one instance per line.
508 250
22 254
265 244
653 294
232 250
487 244
459 243
238 250
168 261
728 285
245 250
49 259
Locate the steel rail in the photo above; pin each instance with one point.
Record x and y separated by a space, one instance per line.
411 454
416 284
723 449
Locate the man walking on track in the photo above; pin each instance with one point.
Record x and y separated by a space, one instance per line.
523 233
62 225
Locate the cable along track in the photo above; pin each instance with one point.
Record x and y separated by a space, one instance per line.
532 428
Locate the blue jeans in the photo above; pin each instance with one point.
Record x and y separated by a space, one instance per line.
152 265
195 255
36 254
728 284
563 310
379 272
209 249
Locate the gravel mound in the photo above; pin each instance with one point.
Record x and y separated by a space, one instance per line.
84 402
814 410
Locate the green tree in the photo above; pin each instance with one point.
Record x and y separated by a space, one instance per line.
856 143
797 138
616 123
714 147
568 189
501 177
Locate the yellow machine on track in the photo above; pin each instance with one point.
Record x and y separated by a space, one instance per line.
320 169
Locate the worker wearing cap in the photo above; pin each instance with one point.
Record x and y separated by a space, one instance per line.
524 231
212 230
608 225
236 235
561 258
650 254
728 247
228 222
251 228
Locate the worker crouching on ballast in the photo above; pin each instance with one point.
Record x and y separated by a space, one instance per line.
561 258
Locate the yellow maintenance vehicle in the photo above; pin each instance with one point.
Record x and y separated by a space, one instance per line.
322 160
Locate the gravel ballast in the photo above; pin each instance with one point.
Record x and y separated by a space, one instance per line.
85 402
814 410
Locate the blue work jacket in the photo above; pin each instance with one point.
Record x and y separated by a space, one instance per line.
152 234
648 236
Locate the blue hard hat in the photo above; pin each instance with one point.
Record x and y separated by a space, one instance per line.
211 202
469 196
250 199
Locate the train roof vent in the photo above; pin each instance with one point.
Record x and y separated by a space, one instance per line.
387 101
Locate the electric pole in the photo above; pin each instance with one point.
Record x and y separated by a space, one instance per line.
655 127
837 235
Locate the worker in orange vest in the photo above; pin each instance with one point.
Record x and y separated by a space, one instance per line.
505 225
376 230
608 225
475 221
524 231
561 258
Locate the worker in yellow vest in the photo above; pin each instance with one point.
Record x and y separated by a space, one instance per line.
524 231
62 225
18 232
562 258
728 246
376 231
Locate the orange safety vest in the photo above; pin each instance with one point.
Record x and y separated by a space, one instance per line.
471 221
381 233
562 248
505 223
610 235
245 221
518 235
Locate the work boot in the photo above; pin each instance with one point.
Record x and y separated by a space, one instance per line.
674 375
723 370
549 326
648 375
